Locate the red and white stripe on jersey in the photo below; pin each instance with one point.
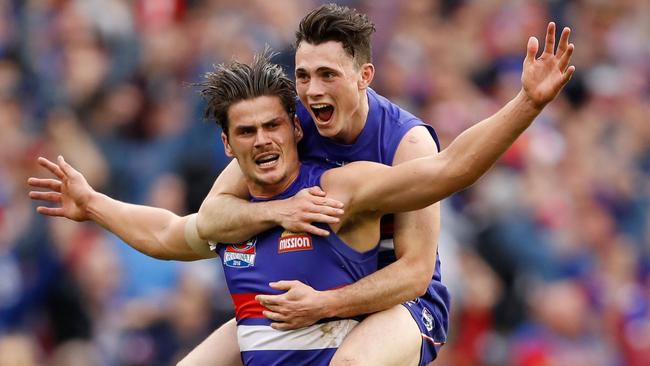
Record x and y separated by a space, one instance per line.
317 336
246 306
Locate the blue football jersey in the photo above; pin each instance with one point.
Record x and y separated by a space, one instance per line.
321 262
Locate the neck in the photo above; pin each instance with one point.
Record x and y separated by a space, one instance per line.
358 121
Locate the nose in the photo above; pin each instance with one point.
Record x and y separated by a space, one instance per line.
262 138
314 88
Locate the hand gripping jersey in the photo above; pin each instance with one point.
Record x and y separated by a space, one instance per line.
321 262
385 127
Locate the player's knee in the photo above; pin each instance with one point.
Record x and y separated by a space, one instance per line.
345 358
360 360
345 362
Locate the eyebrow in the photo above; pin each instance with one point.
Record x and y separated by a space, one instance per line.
272 120
318 70
245 128
253 127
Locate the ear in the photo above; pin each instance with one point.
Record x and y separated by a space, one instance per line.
297 129
226 145
367 74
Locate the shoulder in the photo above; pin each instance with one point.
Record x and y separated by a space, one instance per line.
416 143
402 129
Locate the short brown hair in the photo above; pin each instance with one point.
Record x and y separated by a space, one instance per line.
235 82
333 22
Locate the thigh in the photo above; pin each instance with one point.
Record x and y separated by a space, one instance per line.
219 349
390 337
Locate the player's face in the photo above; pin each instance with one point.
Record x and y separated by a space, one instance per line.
332 88
263 138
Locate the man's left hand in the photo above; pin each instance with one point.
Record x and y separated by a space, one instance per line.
543 77
300 306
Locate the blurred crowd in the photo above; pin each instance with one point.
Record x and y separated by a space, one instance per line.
547 257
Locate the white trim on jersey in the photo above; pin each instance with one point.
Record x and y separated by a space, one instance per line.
317 336
386 244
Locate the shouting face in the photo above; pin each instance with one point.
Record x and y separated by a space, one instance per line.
333 88
263 138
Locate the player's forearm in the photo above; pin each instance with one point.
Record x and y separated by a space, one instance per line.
421 182
153 231
225 218
475 150
415 240
392 285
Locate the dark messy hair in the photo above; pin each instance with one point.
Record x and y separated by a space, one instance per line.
333 22
230 83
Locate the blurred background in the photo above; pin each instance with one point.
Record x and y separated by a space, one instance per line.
547 257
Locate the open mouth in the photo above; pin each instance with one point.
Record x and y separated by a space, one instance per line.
267 160
322 111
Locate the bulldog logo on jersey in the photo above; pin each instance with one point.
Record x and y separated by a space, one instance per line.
293 242
240 255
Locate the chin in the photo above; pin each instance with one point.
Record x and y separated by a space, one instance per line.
328 131
270 178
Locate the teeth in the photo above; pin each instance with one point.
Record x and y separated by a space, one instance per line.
266 163
267 159
319 106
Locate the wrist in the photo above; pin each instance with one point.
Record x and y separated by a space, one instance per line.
271 212
93 205
330 305
524 100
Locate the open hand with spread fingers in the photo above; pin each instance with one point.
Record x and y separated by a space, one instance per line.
543 77
70 191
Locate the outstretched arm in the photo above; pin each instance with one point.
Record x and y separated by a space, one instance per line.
153 231
381 189
418 183
226 216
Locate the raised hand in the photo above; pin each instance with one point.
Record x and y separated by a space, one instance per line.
70 191
310 205
543 77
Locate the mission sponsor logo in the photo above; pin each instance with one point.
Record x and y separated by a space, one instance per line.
293 242
240 255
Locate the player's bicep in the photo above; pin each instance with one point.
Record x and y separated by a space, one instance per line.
416 143
373 187
370 183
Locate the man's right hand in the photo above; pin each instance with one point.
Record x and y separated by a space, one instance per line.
70 191
310 205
